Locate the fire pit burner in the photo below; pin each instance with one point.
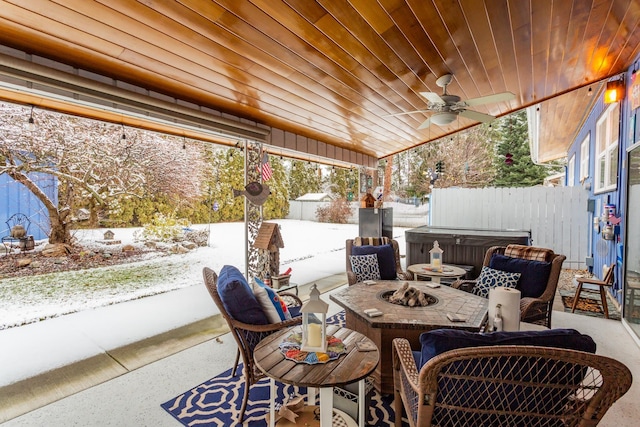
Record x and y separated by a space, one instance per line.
406 301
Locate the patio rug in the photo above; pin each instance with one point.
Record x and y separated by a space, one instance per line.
589 304
217 402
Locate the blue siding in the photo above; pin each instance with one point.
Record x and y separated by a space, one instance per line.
15 198
604 252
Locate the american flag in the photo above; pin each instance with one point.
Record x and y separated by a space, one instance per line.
266 168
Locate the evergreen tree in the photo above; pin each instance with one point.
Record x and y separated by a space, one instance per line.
277 204
303 179
340 182
513 139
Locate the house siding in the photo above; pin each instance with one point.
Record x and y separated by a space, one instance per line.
604 252
15 198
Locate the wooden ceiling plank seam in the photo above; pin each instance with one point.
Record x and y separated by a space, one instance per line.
559 25
599 14
468 53
12 16
385 75
378 47
428 13
505 47
541 45
607 35
300 98
621 39
520 20
407 22
397 129
573 69
477 20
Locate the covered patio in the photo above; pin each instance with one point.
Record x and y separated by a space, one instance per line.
333 82
125 382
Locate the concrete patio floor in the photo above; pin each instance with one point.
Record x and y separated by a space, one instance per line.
121 378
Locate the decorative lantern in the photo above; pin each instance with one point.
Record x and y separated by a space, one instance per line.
314 323
436 257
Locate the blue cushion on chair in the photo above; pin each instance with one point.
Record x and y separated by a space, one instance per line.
439 341
386 259
534 275
238 299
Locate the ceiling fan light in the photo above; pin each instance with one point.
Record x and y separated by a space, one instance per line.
443 118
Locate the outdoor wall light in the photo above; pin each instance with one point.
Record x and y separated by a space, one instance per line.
614 91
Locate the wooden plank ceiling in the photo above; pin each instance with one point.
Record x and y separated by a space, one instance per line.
335 70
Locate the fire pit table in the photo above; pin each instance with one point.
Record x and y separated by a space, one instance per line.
400 321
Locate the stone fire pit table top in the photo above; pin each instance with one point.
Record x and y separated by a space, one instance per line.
360 297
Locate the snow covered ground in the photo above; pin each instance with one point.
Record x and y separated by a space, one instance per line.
72 291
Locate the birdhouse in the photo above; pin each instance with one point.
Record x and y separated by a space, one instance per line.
436 257
108 235
314 323
368 200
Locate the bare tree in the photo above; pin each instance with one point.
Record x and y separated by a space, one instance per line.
96 164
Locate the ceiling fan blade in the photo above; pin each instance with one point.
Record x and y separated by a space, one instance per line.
477 116
405 113
433 97
498 97
425 124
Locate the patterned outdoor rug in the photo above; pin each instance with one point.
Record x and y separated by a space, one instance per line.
217 402
589 304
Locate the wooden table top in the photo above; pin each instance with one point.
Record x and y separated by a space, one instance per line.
350 367
448 270
359 297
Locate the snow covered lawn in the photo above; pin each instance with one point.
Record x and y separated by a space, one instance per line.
29 299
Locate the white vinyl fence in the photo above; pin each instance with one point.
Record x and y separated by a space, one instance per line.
556 216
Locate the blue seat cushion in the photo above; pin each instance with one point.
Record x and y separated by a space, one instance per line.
534 275
439 341
386 258
515 391
237 297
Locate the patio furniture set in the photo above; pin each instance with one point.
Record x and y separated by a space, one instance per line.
441 370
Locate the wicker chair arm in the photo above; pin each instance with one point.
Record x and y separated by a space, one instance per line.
464 285
271 327
405 275
403 360
291 300
351 278
535 310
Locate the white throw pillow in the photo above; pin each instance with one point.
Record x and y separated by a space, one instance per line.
490 278
365 267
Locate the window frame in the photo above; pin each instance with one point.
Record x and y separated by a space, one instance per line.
584 157
604 150
571 171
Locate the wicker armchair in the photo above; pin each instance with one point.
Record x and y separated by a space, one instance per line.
532 310
247 336
351 276
507 386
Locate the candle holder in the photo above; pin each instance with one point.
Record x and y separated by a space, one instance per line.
436 257
314 323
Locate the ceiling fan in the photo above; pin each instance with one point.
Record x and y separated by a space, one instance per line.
448 107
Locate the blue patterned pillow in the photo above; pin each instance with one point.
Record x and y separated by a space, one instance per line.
490 278
365 267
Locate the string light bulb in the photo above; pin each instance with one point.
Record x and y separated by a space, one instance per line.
31 124
124 135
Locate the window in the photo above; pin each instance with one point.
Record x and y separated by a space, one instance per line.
584 159
571 171
607 130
